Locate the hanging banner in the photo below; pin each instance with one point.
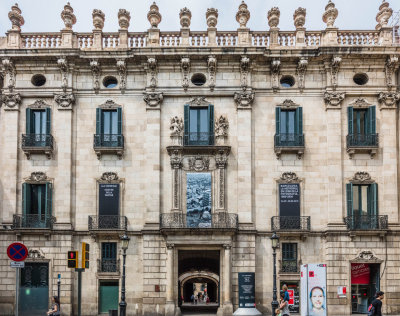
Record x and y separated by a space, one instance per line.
313 290
360 273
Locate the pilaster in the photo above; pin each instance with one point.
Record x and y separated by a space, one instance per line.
227 286
170 304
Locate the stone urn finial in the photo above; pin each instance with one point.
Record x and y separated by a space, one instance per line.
243 15
124 18
154 16
273 17
330 14
98 19
383 15
16 18
299 18
185 17
212 17
68 16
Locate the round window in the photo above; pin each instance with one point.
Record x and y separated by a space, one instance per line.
198 79
360 79
287 81
38 80
110 82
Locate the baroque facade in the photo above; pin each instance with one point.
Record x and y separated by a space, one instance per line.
199 145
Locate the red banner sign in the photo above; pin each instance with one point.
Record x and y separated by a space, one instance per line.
360 273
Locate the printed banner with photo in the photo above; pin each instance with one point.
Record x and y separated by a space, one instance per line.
198 200
313 290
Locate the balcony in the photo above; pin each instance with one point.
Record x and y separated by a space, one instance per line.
37 144
108 222
198 139
108 266
289 266
360 143
218 221
367 222
33 221
289 143
108 144
290 223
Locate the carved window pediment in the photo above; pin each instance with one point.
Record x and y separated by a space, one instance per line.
289 177
110 177
37 177
109 104
39 104
288 104
360 103
198 102
366 256
362 178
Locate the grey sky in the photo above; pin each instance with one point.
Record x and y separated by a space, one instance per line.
44 15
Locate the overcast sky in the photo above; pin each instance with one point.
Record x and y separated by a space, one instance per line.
44 15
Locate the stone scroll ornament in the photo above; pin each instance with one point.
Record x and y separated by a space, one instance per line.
244 71
152 64
63 65
301 72
95 67
212 69
335 65
185 67
275 70
10 71
121 67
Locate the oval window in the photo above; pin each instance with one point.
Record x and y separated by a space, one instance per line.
287 81
198 79
360 79
110 82
38 80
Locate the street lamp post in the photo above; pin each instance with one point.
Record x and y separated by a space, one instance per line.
124 245
275 245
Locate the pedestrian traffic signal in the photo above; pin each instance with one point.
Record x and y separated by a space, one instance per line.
72 259
85 255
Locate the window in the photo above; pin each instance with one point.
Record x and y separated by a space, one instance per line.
289 127
37 127
109 257
109 128
362 205
199 126
362 126
36 205
289 257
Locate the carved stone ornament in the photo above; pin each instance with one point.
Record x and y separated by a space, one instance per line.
330 14
333 99
170 246
335 65
360 103
176 126
35 254
199 163
185 67
388 100
198 101
221 127
63 65
109 176
39 104
95 67
221 159
244 99
153 99
98 19
121 67
9 69
124 18
176 159
273 17
68 16
185 17
366 255
243 15
152 65
37 176
212 17
288 104
301 72
16 18
275 70
109 104
64 100
390 68
244 71
11 101
361 177
384 15
154 16
289 177
299 18
212 69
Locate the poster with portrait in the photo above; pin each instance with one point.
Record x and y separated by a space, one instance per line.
313 290
198 199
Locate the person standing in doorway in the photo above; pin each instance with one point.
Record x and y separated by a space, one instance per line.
377 303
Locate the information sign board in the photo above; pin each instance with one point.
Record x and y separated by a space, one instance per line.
247 297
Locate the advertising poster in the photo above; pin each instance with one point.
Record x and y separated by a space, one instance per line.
247 294
313 290
360 273
108 199
198 200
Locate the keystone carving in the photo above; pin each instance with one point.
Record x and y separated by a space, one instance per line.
16 18
330 15
199 101
244 99
212 17
154 16
199 163
299 18
185 67
221 127
301 72
109 176
39 104
273 17
384 15
275 70
388 100
153 99
243 15
185 17
176 126
361 177
121 67
390 67
109 104
34 254
289 177
366 255
244 71
212 69
288 104
11 101
98 19
64 100
95 67
124 18
37 176
9 69
360 103
333 100
335 65
68 16
63 65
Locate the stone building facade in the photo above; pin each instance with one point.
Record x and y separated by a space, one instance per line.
198 145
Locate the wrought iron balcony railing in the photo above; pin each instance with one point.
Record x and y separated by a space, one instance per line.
198 139
290 223
289 140
217 221
37 140
108 265
289 266
366 222
362 140
33 221
107 222
108 140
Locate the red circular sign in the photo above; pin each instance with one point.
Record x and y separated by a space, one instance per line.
17 251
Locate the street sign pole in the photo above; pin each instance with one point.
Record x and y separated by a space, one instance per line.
17 270
79 270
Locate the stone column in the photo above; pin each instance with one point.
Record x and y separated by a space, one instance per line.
9 155
244 101
169 292
153 144
227 287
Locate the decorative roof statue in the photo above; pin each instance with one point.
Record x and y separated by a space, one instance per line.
98 19
124 18
299 18
16 18
383 15
68 16
185 17
212 17
243 15
330 14
154 16
273 17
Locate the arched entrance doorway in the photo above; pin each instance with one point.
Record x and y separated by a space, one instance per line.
202 284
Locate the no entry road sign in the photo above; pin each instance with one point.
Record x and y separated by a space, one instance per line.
17 251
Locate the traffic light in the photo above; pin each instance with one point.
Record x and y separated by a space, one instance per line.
72 259
85 255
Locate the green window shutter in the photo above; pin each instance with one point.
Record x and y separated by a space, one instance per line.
299 121
29 125
349 197
49 203
98 121
372 119
211 124
350 113
48 121
278 120
186 122
373 200
119 115
26 198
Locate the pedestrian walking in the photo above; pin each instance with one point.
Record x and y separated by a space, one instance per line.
55 307
284 305
375 308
